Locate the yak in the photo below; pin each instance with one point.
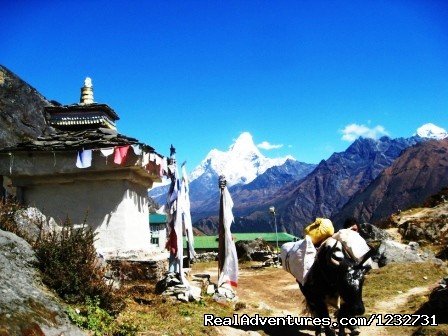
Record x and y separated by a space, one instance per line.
335 275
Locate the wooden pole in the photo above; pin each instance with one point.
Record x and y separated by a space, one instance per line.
221 233
172 239
188 259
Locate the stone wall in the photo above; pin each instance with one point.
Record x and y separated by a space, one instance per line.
150 270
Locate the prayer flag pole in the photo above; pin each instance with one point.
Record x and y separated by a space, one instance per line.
172 246
179 218
221 234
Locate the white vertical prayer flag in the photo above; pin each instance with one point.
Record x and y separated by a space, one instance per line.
137 149
179 242
145 159
185 205
107 151
229 273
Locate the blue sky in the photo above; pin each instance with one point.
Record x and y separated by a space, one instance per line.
198 73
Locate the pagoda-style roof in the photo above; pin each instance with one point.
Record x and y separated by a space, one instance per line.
77 140
82 116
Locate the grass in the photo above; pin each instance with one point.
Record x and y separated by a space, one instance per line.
385 283
166 318
160 316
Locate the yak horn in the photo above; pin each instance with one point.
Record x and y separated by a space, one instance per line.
332 260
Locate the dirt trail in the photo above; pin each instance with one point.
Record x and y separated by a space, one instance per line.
391 306
273 292
267 292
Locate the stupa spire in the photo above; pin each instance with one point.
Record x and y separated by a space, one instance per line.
87 92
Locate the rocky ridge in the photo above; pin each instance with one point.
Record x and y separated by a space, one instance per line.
22 115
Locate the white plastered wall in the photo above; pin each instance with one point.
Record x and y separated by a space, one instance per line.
116 209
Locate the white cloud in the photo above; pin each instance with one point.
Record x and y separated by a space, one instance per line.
354 131
268 146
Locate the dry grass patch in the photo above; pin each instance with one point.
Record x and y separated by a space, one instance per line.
390 285
387 282
158 315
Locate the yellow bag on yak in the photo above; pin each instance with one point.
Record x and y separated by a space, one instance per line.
321 229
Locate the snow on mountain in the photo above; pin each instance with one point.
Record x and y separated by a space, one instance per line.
431 131
241 164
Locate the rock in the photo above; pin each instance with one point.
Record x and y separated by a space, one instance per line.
182 297
22 110
30 220
443 254
202 276
437 303
371 232
201 280
392 251
240 305
244 251
227 292
427 228
268 263
149 268
26 308
220 298
194 293
210 289
206 256
255 250
142 301
171 286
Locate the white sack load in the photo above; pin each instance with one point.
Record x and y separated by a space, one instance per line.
354 244
298 257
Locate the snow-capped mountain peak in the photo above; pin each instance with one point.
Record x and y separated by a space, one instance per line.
432 131
242 163
244 144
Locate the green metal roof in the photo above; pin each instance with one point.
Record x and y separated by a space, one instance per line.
155 218
204 242
268 236
211 242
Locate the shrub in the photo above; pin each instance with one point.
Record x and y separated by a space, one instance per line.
69 265
92 317
68 261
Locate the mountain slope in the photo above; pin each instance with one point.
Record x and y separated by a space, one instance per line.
334 181
21 110
258 194
321 193
420 172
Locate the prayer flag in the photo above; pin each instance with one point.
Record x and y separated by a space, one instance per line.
84 159
185 206
120 154
229 271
